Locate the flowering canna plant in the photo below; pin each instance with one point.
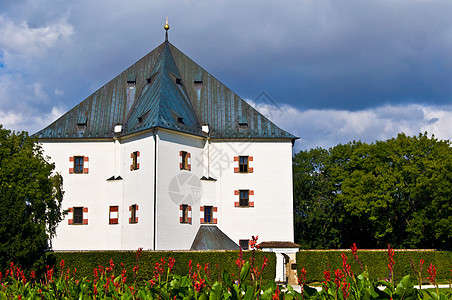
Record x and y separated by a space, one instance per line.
110 282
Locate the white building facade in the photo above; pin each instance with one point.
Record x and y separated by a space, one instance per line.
163 151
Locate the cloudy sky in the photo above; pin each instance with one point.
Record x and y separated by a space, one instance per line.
327 71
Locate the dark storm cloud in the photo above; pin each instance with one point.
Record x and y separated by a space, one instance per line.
310 54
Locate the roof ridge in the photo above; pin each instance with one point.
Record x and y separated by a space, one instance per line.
187 94
135 101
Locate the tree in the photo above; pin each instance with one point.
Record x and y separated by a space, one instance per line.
30 201
316 213
397 191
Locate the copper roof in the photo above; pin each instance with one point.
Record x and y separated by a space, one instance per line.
164 89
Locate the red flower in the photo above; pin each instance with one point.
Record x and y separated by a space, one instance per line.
253 243
139 252
327 275
345 289
207 269
391 261
276 294
345 266
171 262
421 263
338 274
354 249
302 277
199 285
264 263
432 271
238 262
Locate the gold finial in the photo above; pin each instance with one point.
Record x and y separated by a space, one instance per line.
166 25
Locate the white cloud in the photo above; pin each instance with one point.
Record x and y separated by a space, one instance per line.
329 127
20 38
58 92
30 121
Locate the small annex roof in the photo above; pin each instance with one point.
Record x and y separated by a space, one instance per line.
164 89
210 237
278 244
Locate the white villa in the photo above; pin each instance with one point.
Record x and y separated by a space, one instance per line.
166 157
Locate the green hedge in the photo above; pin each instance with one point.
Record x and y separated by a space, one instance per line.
85 262
316 261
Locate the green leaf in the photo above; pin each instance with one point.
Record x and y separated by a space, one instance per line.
249 295
227 278
244 271
216 292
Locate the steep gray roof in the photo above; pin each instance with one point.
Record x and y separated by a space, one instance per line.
164 89
210 237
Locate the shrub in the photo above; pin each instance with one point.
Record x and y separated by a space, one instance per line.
316 261
86 261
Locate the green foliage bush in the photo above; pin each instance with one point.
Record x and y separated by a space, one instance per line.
30 201
316 261
86 261
394 192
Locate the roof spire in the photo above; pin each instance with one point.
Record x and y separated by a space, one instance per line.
166 27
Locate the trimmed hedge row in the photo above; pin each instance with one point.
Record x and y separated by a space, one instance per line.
316 261
85 262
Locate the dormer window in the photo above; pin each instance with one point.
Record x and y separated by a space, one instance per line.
243 123
150 78
140 120
81 126
132 79
180 120
179 81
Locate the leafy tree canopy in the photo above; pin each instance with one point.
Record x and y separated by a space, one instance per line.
30 201
397 191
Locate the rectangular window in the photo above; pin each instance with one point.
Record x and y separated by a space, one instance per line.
244 198
77 215
78 164
114 215
244 244
135 160
208 214
243 164
133 214
184 160
184 218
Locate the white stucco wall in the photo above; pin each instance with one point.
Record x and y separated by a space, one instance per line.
271 218
176 187
92 190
